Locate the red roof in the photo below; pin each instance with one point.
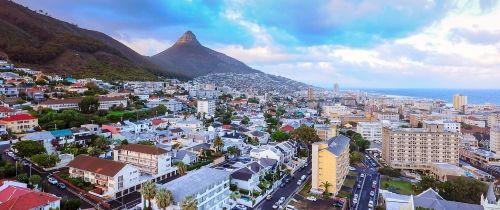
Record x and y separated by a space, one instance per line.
156 121
287 128
6 109
20 198
18 117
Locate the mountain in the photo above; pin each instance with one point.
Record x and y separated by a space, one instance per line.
33 39
188 57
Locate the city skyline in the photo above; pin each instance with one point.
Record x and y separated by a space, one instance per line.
359 44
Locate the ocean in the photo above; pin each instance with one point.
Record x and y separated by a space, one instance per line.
474 96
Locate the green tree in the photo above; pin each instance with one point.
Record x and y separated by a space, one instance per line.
89 104
35 180
326 185
463 189
280 136
305 134
22 178
356 157
189 203
232 150
45 160
70 204
148 192
29 148
146 142
163 198
181 167
101 142
428 182
245 120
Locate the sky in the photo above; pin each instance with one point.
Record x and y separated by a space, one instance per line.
356 43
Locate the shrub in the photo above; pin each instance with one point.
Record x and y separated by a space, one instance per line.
244 192
233 187
45 160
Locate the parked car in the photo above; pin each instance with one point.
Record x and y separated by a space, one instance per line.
362 175
355 200
52 181
290 207
370 204
372 193
61 185
299 182
374 186
282 185
303 177
287 180
359 186
275 206
269 197
311 198
351 168
281 200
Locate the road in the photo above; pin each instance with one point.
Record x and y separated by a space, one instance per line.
287 191
64 194
365 184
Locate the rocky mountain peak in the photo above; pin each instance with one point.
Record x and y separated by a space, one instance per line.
187 38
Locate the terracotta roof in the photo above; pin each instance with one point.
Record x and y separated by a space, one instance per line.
148 149
97 165
18 117
116 98
23 199
62 101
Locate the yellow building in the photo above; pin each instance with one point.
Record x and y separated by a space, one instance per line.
330 164
459 102
20 123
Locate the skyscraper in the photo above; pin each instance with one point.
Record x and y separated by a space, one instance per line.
310 94
459 102
336 87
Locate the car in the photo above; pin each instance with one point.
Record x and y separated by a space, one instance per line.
372 193
359 186
303 177
287 180
240 207
269 197
351 168
10 154
25 162
311 198
275 206
52 181
309 172
370 204
362 175
281 200
61 185
373 164
299 182
355 200
374 186
290 207
282 185
374 182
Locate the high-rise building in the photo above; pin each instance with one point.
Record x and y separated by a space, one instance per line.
206 107
417 148
310 94
330 164
336 87
495 139
459 102
371 131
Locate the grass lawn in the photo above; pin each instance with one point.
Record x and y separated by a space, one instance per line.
349 182
307 187
400 187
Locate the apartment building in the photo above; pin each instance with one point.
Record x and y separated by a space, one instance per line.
148 159
326 131
495 138
111 178
493 119
390 116
105 103
459 102
416 148
371 131
335 110
209 186
479 157
330 162
20 123
206 107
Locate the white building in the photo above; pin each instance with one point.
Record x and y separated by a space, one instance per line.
209 186
206 107
371 131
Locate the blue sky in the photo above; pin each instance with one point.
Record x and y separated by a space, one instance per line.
356 43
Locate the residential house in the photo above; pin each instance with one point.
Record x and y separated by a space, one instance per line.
186 156
22 198
20 123
111 178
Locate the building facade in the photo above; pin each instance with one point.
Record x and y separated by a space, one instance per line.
206 107
148 159
330 162
371 131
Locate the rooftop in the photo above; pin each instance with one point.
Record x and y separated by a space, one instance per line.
97 165
148 149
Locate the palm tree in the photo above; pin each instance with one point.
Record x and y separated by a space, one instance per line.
148 191
189 203
163 198
218 143
181 167
326 185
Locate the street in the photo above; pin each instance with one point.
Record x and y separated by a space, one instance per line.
287 191
367 181
63 193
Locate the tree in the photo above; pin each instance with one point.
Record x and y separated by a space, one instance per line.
356 157
45 160
163 198
232 150
218 144
22 178
181 167
101 142
189 203
245 120
35 180
305 134
326 185
89 104
29 148
148 191
426 183
146 142
70 204
280 136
